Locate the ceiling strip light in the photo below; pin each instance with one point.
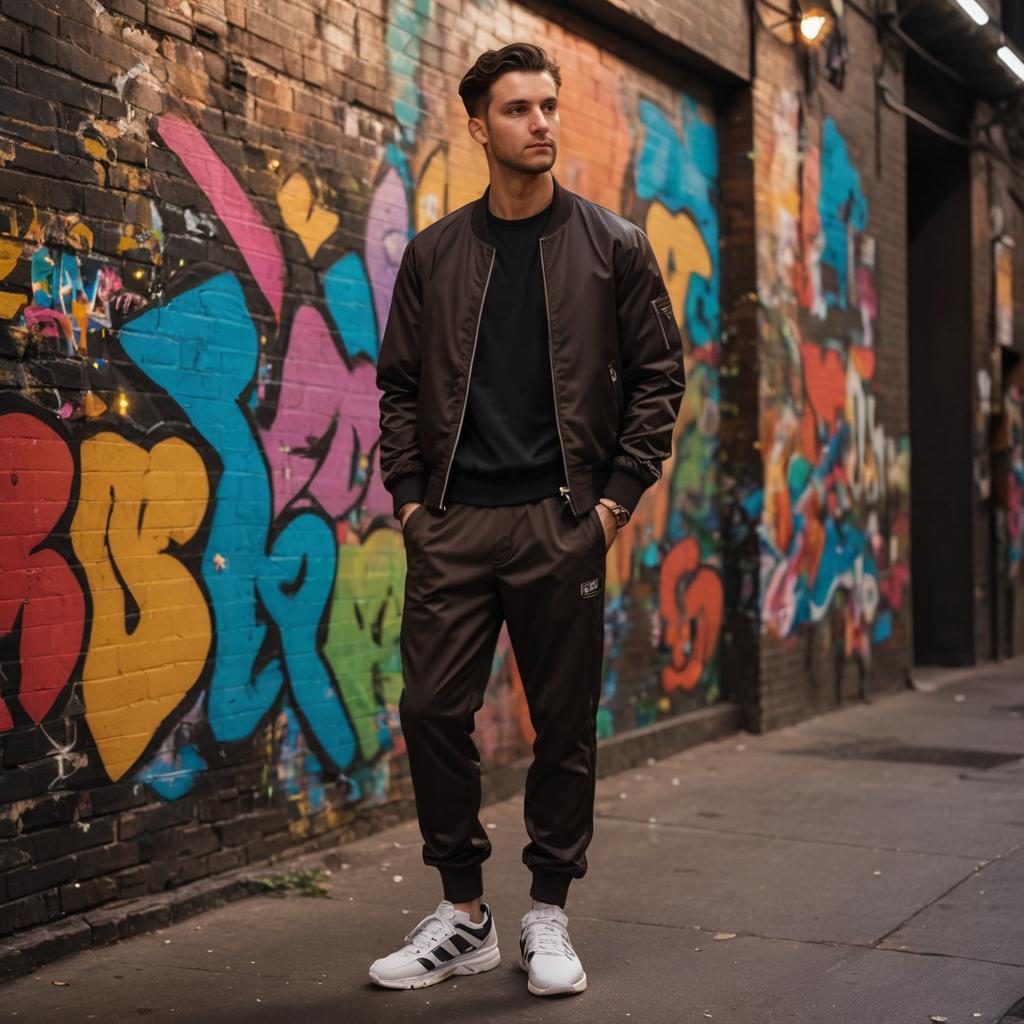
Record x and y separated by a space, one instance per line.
1012 61
975 10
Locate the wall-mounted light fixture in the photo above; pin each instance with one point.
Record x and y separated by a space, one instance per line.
805 21
819 26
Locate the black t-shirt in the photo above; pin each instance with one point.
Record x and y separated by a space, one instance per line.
508 451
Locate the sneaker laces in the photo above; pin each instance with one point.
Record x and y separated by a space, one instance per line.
547 934
434 928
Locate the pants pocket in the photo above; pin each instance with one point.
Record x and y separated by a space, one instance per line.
595 519
413 515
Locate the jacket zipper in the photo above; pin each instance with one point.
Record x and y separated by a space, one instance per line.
565 492
469 379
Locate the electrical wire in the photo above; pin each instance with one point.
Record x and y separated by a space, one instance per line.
912 44
902 108
985 146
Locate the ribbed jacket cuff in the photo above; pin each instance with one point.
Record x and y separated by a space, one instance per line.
411 487
625 488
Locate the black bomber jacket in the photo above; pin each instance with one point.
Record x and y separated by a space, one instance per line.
615 352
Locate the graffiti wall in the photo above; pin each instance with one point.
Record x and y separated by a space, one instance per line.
834 507
1009 493
201 585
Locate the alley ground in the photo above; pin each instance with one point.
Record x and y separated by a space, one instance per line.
866 866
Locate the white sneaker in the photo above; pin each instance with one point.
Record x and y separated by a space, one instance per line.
442 944
546 954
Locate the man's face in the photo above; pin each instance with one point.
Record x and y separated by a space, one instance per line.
520 124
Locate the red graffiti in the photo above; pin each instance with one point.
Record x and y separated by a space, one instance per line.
825 377
39 594
690 596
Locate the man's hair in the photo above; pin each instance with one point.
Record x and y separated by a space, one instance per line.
476 83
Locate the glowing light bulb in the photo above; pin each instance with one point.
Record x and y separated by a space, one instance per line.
812 24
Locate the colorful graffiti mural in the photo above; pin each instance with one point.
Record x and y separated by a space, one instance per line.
1013 411
834 534
199 549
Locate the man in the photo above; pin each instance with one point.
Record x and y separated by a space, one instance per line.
531 373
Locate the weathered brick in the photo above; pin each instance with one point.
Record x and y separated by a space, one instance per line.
26 881
225 860
80 895
180 842
104 860
55 842
38 81
24 106
53 809
11 36
13 854
153 819
165 22
118 796
45 138
134 9
238 831
31 12
54 165
32 910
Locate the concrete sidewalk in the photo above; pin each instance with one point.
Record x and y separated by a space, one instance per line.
863 867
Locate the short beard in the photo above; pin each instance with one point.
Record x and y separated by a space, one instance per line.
525 168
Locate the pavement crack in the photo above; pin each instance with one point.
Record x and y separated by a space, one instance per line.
931 903
868 947
793 839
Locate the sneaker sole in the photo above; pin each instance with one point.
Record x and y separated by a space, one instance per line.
474 963
553 990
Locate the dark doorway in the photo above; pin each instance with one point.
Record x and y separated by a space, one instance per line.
941 390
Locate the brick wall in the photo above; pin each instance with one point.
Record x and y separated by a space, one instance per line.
998 386
714 37
831 235
202 206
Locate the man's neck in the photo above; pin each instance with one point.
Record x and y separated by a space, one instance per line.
515 196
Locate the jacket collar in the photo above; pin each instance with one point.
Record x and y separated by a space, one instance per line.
561 207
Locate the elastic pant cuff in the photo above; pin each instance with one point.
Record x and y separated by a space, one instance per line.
550 888
462 885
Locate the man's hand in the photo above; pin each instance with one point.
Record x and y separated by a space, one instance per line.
407 510
611 528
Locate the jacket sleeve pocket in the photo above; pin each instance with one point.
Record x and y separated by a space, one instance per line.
666 321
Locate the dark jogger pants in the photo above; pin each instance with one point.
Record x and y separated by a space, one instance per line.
542 571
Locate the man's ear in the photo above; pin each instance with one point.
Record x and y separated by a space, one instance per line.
478 130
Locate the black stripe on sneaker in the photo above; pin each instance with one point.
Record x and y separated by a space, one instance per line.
461 944
441 953
428 964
